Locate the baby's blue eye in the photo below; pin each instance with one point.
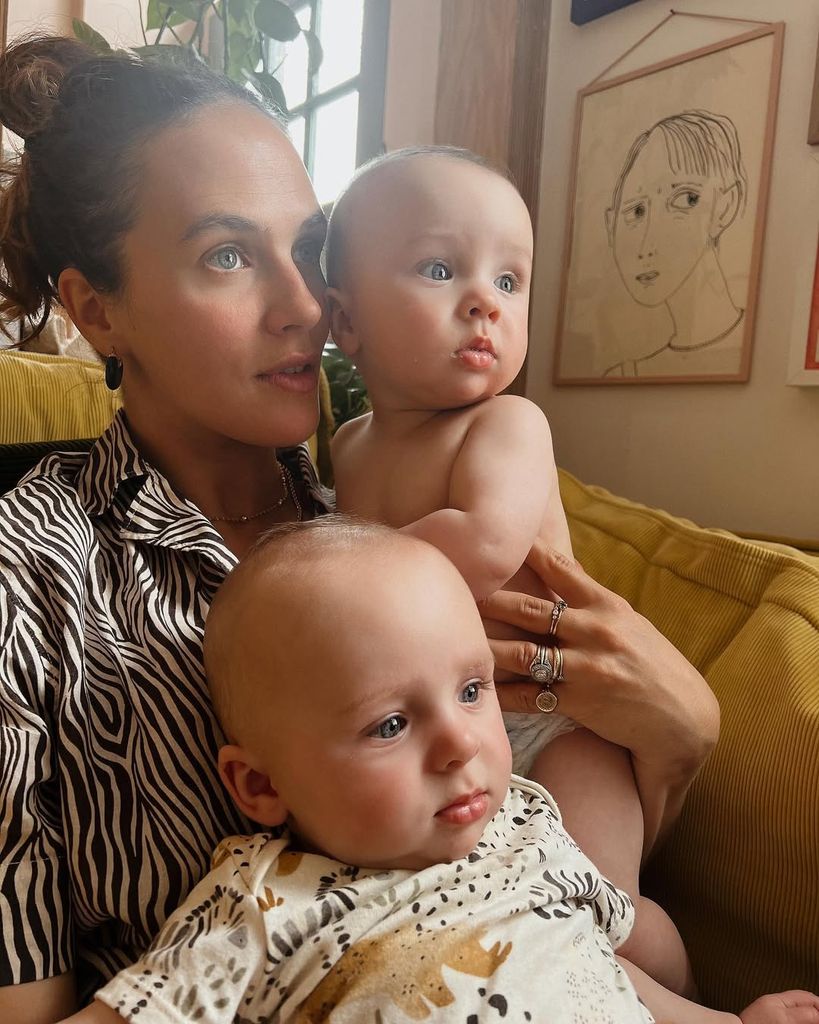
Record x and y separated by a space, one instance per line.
507 283
470 693
390 727
435 270
226 258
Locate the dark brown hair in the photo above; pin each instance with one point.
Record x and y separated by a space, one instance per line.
71 195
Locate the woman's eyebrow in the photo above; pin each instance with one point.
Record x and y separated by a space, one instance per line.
226 221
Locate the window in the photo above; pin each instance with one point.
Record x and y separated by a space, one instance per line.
337 109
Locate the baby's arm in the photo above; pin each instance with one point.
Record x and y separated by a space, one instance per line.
503 493
796 1007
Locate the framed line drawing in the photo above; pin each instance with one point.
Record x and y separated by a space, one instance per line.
588 10
666 217
803 365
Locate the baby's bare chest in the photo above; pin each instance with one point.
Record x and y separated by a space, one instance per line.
399 482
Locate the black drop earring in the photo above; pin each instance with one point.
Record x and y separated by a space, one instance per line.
113 371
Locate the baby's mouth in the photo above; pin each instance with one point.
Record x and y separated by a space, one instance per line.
478 353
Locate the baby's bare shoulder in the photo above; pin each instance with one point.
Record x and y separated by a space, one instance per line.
350 433
512 410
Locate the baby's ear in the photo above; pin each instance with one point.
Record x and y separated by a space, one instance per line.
341 323
249 786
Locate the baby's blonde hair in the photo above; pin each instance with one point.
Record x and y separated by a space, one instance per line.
277 570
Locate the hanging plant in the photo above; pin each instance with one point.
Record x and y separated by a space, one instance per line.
242 31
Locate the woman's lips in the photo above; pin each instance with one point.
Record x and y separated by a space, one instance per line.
465 810
297 379
648 276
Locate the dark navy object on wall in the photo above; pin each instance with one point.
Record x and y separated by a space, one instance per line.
588 10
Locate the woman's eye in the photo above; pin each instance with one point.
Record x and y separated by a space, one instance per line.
226 258
686 200
634 214
435 270
507 283
390 727
470 693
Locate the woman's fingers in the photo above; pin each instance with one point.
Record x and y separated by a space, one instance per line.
518 697
531 614
514 656
563 575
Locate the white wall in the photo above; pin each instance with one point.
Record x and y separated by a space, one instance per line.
38 15
117 20
739 456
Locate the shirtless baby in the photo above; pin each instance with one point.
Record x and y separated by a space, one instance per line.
429 262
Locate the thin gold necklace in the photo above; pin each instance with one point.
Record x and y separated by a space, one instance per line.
288 491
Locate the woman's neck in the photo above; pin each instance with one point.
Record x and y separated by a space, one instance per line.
222 477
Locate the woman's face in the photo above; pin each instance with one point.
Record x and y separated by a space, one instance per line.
663 225
221 323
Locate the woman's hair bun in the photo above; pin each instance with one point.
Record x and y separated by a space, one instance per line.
31 72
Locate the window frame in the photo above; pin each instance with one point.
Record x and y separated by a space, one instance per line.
369 83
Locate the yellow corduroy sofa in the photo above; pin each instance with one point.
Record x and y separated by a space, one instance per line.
740 871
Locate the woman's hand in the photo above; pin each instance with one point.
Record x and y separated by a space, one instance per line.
622 679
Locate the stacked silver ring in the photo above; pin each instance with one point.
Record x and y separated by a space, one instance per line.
546 670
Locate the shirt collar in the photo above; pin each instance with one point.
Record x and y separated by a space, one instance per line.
116 479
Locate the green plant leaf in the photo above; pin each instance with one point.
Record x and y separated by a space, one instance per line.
167 51
189 9
276 20
314 50
242 56
90 36
155 14
269 87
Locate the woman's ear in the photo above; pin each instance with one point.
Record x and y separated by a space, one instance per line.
87 308
250 787
341 322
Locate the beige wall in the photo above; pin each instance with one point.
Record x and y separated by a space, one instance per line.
734 455
117 20
412 73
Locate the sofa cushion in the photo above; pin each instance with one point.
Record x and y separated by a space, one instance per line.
46 397
740 871
52 398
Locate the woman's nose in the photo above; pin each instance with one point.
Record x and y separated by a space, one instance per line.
293 303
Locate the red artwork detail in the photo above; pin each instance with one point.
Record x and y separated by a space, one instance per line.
812 347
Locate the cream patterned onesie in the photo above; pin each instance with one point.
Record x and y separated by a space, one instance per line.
522 930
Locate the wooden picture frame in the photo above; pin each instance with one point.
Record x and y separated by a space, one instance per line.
666 219
803 363
584 11
813 125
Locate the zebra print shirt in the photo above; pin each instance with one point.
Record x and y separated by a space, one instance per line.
110 804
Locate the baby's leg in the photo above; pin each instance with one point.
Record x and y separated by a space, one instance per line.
593 784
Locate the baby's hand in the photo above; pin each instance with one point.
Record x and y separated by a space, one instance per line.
794 1007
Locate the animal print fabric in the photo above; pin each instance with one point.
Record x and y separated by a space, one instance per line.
523 929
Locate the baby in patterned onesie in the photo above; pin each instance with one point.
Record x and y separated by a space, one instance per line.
403 878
